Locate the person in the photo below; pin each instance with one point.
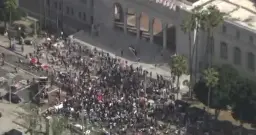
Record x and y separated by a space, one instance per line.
3 59
133 50
107 89
122 52
22 48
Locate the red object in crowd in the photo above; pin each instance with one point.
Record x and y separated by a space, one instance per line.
45 66
33 60
100 98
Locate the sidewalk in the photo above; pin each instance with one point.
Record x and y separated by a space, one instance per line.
4 42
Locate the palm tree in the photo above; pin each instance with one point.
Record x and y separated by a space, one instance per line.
211 78
32 118
58 125
178 67
190 27
210 19
10 6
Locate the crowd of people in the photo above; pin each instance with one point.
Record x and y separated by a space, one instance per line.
119 97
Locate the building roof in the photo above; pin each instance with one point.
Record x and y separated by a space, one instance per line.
239 12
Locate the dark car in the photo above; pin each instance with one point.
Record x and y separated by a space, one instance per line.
28 42
13 132
14 98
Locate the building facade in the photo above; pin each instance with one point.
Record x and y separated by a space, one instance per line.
67 15
234 41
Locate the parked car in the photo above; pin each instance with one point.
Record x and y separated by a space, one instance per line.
28 42
14 98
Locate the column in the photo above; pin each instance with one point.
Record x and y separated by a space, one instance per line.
45 14
138 25
89 12
113 16
151 30
125 19
164 27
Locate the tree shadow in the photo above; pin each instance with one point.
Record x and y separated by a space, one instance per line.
204 124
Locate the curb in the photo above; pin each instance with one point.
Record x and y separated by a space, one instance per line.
12 51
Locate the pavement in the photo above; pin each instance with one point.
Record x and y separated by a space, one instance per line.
12 57
22 92
8 118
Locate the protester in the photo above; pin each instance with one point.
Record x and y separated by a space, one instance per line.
106 90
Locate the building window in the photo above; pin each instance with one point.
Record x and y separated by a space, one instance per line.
251 61
80 15
223 50
67 10
237 34
237 56
48 3
224 29
84 16
56 5
72 11
251 39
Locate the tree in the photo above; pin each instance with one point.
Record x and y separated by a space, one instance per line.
58 125
231 90
10 6
32 118
210 19
201 91
211 78
220 93
188 26
243 101
178 67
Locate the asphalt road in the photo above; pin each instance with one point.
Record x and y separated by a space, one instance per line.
22 93
12 58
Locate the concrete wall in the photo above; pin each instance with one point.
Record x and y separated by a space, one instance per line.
232 41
